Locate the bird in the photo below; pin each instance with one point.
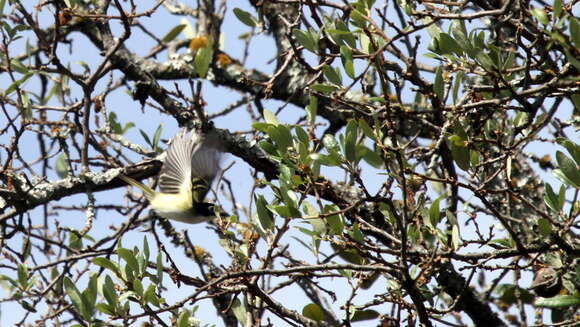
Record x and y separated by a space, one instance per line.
191 163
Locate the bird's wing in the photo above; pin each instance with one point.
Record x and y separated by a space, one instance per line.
205 164
176 170
190 157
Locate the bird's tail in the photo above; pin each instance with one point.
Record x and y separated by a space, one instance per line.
149 193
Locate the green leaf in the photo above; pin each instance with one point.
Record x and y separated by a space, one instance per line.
150 296
281 136
574 31
313 311
540 15
203 59
270 117
183 319
358 19
560 301
2 3
460 34
312 109
129 258
456 83
171 35
373 158
557 8
551 199
335 222
545 227
350 140
302 135
346 34
435 211
568 168
455 237
17 83
61 166
265 217
324 88
448 45
109 292
330 144
307 39
23 276
106 309
332 75
438 84
159 267
573 149
245 17
73 293
361 315
156 138
346 58
240 312
459 151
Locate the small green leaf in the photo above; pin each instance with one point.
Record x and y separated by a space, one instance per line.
456 83
358 19
183 319
313 311
106 309
240 311
281 136
265 217
568 168
438 84
551 199
129 258
307 39
150 296
330 144
435 211
573 149
171 35
332 75
23 277
203 59
108 290
459 151
335 222
245 17
324 88
350 140
448 45
61 166
361 315
73 293
540 15
545 227
312 109
156 138
17 83
557 8
159 267
574 31
560 301
270 117
346 57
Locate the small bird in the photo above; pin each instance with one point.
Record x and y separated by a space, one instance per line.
190 165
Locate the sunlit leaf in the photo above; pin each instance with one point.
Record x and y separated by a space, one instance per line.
313 311
173 33
245 17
